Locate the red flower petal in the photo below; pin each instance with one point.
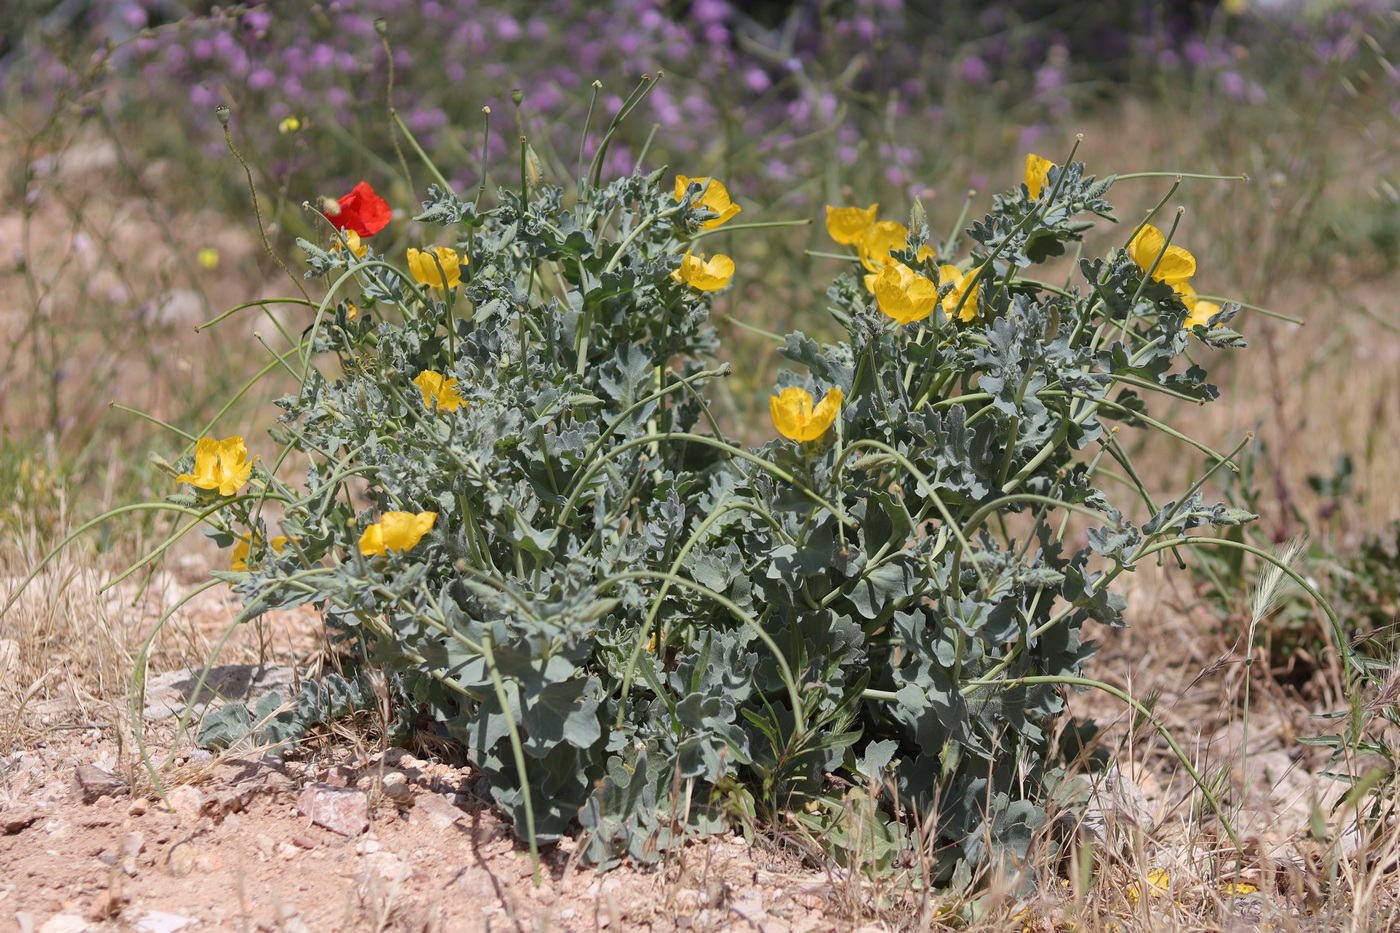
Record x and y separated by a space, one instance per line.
362 211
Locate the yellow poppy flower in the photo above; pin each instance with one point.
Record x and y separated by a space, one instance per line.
1176 265
438 391
903 294
707 275
847 225
795 418
878 240
221 465
396 531
1201 310
208 258
715 197
240 551
289 125
425 270
1037 169
352 240
960 282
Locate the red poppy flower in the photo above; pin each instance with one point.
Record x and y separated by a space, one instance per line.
362 211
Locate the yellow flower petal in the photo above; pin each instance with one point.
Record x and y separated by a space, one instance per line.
425 270
208 258
221 465
1176 265
1157 881
707 275
903 294
239 558
352 240
848 224
796 418
1202 313
396 531
1037 168
879 239
438 391
952 299
715 197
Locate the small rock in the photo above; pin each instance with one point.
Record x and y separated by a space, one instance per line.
181 860
186 800
388 865
133 843
368 846
91 782
25 921
342 810
18 820
264 844
438 811
138 807
108 856
209 863
158 922
397 788
305 842
64 923
749 907
286 851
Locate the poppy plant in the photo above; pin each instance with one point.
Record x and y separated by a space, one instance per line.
425 268
846 225
396 531
221 465
903 294
715 197
795 417
960 281
239 561
708 275
1037 170
352 243
361 210
438 391
1201 310
1176 264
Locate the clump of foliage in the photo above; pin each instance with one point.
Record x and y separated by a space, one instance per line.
519 503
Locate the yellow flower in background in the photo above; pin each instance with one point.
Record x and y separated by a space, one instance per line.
715 197
903 294
707 275
795 418
1201 310
1157 881
960 282
240 551
438 391
396 531
208 258
352 241
289 125
847 225
1176 266
221 465
1037 170
425 270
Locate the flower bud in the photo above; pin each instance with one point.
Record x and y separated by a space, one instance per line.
222 112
